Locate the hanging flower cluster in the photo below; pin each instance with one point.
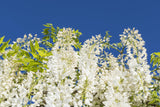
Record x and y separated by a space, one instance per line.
91 76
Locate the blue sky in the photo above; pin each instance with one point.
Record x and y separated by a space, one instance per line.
91 17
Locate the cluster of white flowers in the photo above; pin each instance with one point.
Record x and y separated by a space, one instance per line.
127 76
88 77
14 86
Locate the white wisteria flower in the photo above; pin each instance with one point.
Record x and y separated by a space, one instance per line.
88 77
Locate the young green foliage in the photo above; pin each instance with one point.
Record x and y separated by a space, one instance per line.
4 45
78 43
156 99
36 61
29 60
50 33
155 59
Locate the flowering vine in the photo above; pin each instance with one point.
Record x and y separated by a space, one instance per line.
58 71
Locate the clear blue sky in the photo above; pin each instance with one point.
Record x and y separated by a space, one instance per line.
91 17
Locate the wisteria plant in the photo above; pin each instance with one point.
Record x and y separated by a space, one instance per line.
59 71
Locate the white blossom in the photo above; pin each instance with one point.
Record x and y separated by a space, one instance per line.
87 77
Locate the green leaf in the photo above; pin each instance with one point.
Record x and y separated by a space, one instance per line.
76 40
25 68
46 38
77 33
154 93
35 63
25 53
32 47
1 39
14 46
52 28
35 55
49 44
152 58
44 59
107 35
4 56
41 53
47 25
54 39
20 54
155 100
78 45
119 45
46 31
36 45
45 65
155 61
28 60
44 53
152 102
4 46
157 53
11 53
